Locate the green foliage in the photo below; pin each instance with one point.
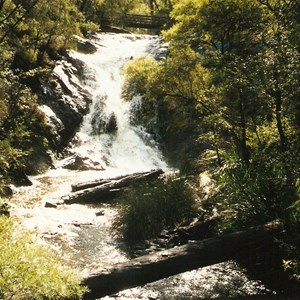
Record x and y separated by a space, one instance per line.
23 129
125 7
172 100
149 208
29 271
290 241
253 195
139 75
232 76
253 70
92 9
34 28
259 193
89 27
186 15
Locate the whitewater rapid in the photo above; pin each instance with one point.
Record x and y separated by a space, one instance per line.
130 148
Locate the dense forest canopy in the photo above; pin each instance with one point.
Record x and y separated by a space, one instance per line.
227 96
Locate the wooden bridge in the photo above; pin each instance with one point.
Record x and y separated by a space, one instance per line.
136 21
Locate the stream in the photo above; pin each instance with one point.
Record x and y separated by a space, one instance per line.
83 234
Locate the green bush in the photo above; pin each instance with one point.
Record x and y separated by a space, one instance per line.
266 190
249 196
29 271
148 208
290 241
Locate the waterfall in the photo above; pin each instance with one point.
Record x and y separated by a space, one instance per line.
82 234
106 135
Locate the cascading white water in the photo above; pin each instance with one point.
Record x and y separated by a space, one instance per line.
129 149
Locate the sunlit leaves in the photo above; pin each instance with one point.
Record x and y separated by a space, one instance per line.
186 15
126 7
140 74
231 25
28 271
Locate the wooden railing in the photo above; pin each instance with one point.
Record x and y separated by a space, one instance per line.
137 21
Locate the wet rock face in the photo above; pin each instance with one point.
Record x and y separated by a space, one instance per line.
77 162
21 179
64 101
111 125
86 47
102 124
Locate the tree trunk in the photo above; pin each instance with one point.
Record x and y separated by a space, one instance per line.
191 256
278 112
244 149
151 6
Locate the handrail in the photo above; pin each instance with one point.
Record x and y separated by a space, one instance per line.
138 21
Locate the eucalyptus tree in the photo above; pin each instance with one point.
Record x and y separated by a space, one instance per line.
251 49
250 52
225 34
281 54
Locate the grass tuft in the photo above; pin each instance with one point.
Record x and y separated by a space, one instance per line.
151 207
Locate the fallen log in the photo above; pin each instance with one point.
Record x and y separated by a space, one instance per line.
184 258
89 184
199 230
102 190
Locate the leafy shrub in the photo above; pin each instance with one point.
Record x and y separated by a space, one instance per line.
266 190
253 195
147 209
290 241
89 27
28 271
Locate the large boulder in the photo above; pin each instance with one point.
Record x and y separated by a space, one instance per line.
77 162
64 100
86 46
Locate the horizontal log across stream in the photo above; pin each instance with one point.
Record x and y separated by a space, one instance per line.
101 190
193 255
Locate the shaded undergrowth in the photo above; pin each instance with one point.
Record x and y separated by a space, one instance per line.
147 209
